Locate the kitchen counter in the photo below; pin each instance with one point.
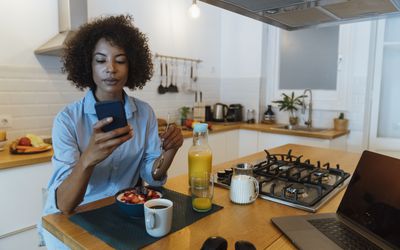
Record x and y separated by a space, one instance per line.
254 219
270 128
8 160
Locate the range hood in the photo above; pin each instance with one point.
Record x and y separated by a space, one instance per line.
297 14
71 14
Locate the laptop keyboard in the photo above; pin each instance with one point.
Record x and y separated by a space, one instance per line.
341 234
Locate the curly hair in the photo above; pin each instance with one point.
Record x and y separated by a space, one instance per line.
119 31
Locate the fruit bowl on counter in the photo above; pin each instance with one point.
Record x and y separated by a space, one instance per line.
29 144
130 200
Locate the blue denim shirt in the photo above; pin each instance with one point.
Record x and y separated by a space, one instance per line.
72 130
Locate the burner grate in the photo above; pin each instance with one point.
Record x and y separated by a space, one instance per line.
287 179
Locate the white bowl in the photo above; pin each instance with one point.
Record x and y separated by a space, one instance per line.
2 144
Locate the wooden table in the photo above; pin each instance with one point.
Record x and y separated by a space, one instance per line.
234 222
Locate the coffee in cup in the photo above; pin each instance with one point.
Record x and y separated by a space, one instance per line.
158 216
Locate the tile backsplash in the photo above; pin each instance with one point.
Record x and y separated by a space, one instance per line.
33 96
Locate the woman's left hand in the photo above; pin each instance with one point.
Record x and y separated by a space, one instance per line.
173 138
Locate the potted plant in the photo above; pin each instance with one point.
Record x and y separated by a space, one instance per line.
340 123
184 111
290 104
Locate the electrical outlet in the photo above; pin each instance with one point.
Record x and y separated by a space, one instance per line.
5 121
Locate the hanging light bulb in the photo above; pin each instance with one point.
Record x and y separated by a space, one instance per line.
194 10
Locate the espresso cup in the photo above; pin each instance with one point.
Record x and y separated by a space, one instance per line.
158 217
244 189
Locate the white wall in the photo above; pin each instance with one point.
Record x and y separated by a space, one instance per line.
241 44
32 89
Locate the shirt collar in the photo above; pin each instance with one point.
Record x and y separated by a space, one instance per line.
89 101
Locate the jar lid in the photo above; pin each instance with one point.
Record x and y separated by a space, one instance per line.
200 127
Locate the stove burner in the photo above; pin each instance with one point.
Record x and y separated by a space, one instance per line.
322 174
295 189
290 180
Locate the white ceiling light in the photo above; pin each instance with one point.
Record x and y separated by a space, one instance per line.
194 10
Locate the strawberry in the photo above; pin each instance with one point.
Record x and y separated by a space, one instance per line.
24 141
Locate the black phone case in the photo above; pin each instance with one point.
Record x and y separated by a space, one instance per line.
114 109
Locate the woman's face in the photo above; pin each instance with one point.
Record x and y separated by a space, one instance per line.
110 70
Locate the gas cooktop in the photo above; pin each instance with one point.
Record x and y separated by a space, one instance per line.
287 179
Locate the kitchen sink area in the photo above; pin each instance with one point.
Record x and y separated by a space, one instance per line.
300 128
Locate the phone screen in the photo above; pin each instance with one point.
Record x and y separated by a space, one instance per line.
114 109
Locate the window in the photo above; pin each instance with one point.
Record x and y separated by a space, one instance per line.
308 58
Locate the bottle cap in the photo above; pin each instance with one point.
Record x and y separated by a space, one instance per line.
200 127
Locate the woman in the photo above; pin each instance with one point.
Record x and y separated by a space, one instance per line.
105 56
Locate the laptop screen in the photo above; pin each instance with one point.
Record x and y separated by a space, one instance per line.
372 199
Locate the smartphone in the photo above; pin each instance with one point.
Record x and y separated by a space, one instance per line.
114 109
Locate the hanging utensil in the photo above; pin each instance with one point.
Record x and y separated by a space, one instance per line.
175 86
166 76
187 78
195 76
185 85
191 76
171 84
161 89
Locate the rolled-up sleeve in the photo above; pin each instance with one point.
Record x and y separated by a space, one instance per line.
66 155
152 152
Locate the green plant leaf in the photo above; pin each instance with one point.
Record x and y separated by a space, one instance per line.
289 102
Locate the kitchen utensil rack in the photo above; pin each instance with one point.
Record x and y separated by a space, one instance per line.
169 76
156 55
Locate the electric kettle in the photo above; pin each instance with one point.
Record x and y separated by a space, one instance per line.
220 112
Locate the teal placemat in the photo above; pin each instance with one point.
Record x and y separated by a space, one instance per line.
121 232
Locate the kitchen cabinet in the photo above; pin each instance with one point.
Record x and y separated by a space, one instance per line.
268 140
231 145
179 164
224 146
22 199
253 141
248 142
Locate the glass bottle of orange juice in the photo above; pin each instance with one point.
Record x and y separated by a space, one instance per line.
200 155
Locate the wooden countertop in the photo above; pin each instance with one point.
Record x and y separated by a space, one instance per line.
234 222
327 134
8 160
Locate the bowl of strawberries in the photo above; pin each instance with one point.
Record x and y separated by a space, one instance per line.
131 200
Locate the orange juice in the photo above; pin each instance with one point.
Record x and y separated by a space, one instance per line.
199 163
202 204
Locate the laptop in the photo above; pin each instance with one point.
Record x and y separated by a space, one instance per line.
368 216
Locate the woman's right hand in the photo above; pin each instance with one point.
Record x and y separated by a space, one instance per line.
102 144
